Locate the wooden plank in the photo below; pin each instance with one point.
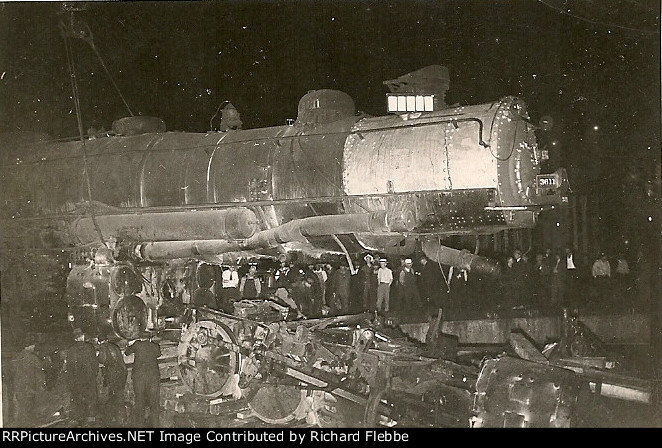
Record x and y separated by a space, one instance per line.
525 348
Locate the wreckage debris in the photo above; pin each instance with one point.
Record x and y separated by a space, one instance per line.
289 371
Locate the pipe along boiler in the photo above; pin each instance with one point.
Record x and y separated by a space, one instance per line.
143 218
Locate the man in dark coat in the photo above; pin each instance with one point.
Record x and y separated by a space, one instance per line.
411 299
250 286
460 288
430 281
29 382
81 367
521 278
146 381
341 289
396 287
558 274
302 293
114 378
368 275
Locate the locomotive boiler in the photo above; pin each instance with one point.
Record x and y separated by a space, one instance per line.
142 211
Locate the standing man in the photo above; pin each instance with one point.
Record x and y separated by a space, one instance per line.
521 273
341 289
369 282
29 383
459 288
571 276
557 287
316 290
601 272
409 290
322 277
230 288
601 268
396 288
251 286
114 375
302 293
81 367
430 283
384 280
146 380
284 275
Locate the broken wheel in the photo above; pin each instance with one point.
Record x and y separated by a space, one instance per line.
208 364
276 403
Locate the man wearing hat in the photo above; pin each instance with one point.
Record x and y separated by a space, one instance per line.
408 288
114 378
302 293
230 288
29 382
146 379
369 282
285 275
384 280
250 286
81 367
430 281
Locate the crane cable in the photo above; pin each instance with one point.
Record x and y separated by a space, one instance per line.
74 88
87 37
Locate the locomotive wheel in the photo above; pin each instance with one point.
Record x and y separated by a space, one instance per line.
207 368
125 281
371 415
276 403
130 317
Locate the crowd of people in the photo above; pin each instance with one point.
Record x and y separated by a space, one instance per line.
374 285
419 285
556 278
84 383
95 375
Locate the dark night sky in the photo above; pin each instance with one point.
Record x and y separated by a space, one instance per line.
179 60
594 66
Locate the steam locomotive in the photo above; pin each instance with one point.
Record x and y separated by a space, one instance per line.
140 211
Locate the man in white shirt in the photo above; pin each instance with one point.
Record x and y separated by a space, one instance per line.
230 277
384 280
410 297
601 272
601 267
230 291
571 276
569 261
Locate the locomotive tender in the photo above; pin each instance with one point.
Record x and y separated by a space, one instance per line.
135 206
